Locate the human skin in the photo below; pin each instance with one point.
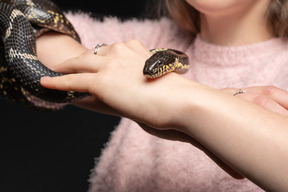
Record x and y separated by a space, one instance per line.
251 140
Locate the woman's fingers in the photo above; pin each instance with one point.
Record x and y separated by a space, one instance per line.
86 62
75 82
278 95
89 62
271 104
269 97
116 62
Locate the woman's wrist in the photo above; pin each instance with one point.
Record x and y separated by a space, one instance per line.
188 100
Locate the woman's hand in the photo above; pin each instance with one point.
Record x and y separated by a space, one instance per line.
269 97
115 77
54 48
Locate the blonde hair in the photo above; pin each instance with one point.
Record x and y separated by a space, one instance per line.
189 18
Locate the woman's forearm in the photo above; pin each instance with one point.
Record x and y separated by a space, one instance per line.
249 138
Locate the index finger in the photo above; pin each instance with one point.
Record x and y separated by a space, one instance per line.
87 62
72 82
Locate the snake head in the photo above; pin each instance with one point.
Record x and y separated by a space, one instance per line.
158 64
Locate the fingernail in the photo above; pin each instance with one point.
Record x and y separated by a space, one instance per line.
44 80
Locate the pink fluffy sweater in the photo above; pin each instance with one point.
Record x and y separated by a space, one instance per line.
134 161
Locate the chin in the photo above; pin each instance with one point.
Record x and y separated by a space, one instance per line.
217 6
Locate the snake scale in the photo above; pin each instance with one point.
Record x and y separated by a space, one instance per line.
21 22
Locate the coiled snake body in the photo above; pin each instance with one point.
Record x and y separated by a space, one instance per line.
18 37
21 21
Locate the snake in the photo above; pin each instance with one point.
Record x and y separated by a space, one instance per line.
21 22
164 61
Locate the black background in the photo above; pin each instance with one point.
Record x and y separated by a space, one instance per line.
55 151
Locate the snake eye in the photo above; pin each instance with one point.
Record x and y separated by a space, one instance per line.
160 62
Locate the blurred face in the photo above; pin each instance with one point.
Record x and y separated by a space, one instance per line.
244 20
222 7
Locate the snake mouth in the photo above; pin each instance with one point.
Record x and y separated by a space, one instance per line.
152 76
158 71
152 73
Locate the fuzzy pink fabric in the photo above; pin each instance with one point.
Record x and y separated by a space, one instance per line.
134 161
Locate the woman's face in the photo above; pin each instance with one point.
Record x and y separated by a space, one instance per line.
222 7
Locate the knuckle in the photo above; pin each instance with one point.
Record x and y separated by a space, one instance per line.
118 46
54 82
134 42
261 100
65 82
270 90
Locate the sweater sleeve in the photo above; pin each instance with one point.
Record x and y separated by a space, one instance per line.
152 33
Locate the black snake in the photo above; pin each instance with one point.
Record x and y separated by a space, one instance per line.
164 61
21 22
